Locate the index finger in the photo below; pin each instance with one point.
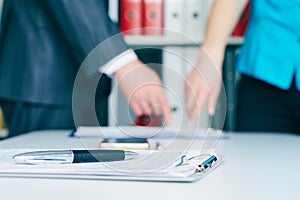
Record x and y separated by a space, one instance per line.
166 108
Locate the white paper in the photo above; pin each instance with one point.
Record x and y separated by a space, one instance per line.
147 132
154 164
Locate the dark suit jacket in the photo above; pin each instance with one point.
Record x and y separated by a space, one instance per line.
43 43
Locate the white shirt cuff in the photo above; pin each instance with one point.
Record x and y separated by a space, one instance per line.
118 62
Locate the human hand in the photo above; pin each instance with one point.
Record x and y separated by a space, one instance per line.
203 84
142 88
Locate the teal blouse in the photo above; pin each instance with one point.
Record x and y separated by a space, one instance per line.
271 50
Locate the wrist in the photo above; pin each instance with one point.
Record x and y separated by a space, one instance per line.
215 52
127 68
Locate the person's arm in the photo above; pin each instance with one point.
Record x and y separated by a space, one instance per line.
144 91
222 19
140 85
203 84
87 28
92 35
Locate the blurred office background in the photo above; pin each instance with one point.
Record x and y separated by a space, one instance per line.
185 18
184 23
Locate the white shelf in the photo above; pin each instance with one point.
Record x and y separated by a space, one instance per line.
143 40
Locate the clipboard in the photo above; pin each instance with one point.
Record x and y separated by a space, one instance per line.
187 168
146 132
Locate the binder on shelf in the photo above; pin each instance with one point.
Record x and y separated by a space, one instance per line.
173 80
194 19
113 10
153 17
242 24
173 16
191 55
230 79
2 124
150 121
131 17
178 62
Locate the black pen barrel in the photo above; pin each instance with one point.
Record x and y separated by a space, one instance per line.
81 156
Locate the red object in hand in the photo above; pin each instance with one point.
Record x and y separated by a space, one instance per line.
131 17
243 22
148 120
153 15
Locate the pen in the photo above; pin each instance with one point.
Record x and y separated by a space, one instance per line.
73 156
204 164
207 163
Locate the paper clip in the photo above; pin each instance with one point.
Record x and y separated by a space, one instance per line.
207 161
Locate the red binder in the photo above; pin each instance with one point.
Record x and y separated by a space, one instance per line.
243 22
148 121
131 17
153 17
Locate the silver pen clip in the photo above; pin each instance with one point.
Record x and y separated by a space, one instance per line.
45 157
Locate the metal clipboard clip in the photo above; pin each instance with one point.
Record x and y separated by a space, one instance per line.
200 163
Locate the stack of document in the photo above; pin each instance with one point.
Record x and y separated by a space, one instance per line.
147 132
148 166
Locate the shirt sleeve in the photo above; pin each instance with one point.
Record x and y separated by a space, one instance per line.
118 62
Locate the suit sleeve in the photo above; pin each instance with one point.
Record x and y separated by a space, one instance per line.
88 29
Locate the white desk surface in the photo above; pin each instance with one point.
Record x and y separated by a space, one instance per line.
256 166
